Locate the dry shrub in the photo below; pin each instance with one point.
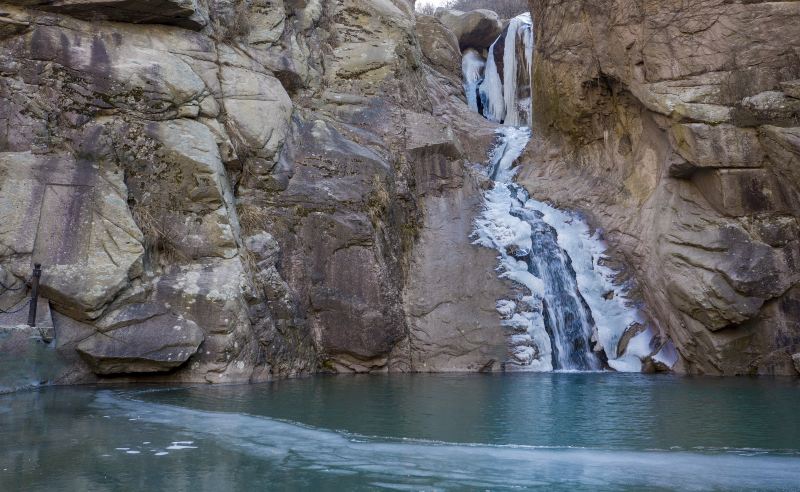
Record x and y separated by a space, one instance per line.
232 23
252 219
152 217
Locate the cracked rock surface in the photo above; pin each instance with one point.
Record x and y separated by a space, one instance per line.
227 191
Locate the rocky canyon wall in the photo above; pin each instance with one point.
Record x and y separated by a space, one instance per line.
675 126
228 191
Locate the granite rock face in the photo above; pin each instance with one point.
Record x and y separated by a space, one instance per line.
227 191
674 126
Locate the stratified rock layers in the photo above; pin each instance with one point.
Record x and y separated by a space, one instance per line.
674 125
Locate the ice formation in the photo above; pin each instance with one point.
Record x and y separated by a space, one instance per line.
571 311
571 315
503 98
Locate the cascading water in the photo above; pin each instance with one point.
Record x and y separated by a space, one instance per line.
571 315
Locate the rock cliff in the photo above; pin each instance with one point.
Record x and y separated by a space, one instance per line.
675 126
233 191
226 191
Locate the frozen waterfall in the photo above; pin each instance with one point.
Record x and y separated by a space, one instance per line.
570 314
472 67
499 86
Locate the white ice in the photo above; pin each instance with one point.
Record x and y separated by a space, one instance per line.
494 107
459 466
611 316
496 228
472 65
501 95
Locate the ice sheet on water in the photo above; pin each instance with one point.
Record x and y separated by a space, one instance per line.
458 466
177 445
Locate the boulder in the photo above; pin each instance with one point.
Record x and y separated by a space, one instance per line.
266 21
158 344
474 29
192 204
439 45
257 105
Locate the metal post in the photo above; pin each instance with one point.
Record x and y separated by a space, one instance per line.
37 272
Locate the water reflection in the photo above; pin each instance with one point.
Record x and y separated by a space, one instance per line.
578 431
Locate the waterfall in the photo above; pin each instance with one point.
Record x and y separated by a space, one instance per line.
503 90
568 313
472 67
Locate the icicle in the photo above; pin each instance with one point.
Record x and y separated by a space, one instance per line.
472 67
500 98
510 74
491 90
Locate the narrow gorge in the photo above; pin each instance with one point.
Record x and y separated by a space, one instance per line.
229 191
399 245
